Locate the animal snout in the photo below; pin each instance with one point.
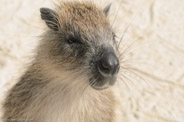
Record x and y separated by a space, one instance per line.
106 68
108 65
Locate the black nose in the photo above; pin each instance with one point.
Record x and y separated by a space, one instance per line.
108 65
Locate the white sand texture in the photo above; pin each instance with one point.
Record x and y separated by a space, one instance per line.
152 84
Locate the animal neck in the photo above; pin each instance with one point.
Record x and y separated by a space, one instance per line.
69 97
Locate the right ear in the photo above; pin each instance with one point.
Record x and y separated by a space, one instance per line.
107 9
50 17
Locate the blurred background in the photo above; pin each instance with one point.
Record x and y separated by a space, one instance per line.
152 34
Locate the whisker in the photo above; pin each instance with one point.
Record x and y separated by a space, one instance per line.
137 74
116 15
38 36
132 80
126 29
135 62
93 83
124 82
133 72
129 49
124 51
128 79
84 89
135 59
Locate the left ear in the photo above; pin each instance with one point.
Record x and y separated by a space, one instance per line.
107 9
50 18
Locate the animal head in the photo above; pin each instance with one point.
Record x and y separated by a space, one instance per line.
80 38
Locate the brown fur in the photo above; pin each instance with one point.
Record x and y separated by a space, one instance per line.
87 17
54 89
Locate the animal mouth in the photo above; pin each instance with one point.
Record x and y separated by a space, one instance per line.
103 83
99 88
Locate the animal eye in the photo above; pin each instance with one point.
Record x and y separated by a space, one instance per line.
72 40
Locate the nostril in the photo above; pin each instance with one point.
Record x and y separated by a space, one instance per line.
104 67
109 64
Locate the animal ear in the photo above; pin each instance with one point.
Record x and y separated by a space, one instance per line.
107 9
50 17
